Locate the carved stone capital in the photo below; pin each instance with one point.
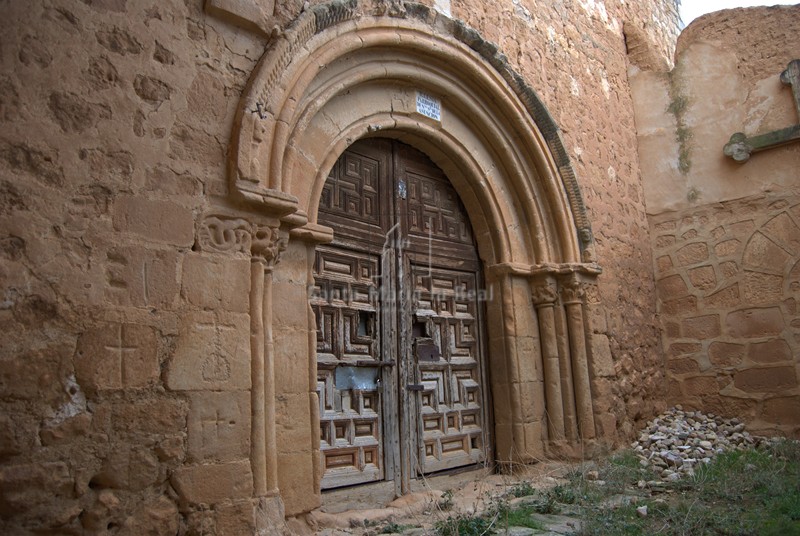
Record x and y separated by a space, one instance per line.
573 290
227 234
223 234
544 294
267 244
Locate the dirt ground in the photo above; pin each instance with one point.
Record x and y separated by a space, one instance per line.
367 511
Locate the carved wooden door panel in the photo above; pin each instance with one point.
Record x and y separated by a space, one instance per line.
398 317
348 345
445 348
345 302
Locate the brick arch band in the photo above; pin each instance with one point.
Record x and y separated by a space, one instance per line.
345 71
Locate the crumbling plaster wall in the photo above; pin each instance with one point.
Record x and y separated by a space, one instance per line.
726 236
125 389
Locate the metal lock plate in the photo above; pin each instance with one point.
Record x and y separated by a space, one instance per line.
358 378
426 349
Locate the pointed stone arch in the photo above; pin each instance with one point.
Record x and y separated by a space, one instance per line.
345 71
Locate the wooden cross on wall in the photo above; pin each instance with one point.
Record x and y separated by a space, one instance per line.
740 146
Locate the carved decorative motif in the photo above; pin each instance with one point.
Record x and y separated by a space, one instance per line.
452 423
353 189
544 294
435 210
572 290
224 234
267 244
344 301
261 105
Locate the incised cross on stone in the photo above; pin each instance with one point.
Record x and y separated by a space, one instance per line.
740 146
121 351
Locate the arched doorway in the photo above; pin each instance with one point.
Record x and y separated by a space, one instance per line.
398 306
345 72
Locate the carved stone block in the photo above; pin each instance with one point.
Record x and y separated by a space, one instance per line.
161 221
141 277
117 356
219 425
214 483
212 353
216 283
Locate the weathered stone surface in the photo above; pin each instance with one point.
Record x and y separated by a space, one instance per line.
117 356
672 287
727 248
772 351
755 322
127 467
151 90
216 283
161 221
212 353
74 114
156 416
766 380
142 277
725 354
692 254
725 298
680 307
218 426
664 263
700 385
602 359
22 486
701 327
782 410
235 519
703 278
763 254
43 164
119 41
157 516
213 483
783 230
760 288
683 366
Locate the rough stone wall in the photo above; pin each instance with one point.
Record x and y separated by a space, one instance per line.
728 278
120 404
126 405
726 235
574 55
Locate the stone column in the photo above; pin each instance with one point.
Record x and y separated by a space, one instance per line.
258 455
544 299
267 244
573 295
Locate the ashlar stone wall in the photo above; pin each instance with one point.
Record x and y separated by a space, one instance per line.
726 235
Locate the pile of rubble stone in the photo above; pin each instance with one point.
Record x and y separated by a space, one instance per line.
675 442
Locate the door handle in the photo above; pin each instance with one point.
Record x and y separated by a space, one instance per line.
415 387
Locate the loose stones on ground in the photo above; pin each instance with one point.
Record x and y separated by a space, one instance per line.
675 442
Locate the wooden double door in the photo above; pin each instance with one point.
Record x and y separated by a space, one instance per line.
397 301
